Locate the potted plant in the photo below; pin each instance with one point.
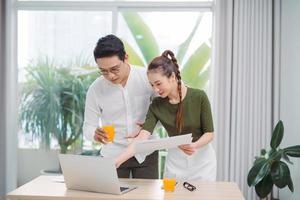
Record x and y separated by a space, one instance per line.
52 104
271 168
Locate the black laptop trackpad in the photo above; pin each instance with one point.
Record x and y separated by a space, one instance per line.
123 188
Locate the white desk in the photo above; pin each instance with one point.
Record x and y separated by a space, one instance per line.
44 188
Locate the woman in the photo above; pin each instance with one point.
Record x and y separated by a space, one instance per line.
181 110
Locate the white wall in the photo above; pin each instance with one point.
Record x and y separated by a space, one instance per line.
290 82
32 161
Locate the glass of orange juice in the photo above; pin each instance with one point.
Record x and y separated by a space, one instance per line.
169 181
110 131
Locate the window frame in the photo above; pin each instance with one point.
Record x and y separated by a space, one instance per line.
11 56
115 7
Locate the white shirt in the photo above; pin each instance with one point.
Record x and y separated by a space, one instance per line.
122 106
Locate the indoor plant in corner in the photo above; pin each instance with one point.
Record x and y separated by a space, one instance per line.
271 167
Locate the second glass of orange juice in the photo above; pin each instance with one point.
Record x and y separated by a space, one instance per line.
169 182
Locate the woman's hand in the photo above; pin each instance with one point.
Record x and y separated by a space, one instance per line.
117 164
128 153
136 132
130 150
188 149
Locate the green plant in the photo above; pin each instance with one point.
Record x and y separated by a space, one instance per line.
194 71
269 169
52 104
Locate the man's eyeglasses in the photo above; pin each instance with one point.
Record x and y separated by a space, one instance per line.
189 186
113 70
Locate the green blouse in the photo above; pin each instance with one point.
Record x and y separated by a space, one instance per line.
197 117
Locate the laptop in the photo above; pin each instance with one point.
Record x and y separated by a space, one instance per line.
91 173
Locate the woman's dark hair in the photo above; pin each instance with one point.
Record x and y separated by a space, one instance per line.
108 46
167 64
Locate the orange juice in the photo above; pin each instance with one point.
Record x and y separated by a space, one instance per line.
110 130
169 184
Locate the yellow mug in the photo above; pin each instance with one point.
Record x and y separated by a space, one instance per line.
110 132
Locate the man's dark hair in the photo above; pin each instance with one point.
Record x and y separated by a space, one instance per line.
108 46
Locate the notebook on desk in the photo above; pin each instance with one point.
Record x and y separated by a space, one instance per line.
90 173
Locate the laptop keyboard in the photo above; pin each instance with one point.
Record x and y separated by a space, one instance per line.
123 188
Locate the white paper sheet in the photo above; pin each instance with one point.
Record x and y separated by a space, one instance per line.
163 143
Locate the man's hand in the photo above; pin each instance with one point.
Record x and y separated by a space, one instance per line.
188 149
100 136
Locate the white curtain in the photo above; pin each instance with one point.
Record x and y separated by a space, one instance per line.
243 86
8 102
2 105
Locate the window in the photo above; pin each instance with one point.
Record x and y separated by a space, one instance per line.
56 40
67 37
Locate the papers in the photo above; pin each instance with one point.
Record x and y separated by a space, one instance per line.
164 143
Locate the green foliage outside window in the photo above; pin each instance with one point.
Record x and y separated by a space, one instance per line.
52 104
193 71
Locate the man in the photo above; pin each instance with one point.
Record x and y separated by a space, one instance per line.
120 96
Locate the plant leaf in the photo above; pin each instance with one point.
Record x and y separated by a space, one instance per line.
201 80
133 57
280 173
184 46
277 135
195 64
286 158
264 187
142 35
275 155
263 152
259 159
290 184
293 151
258 172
